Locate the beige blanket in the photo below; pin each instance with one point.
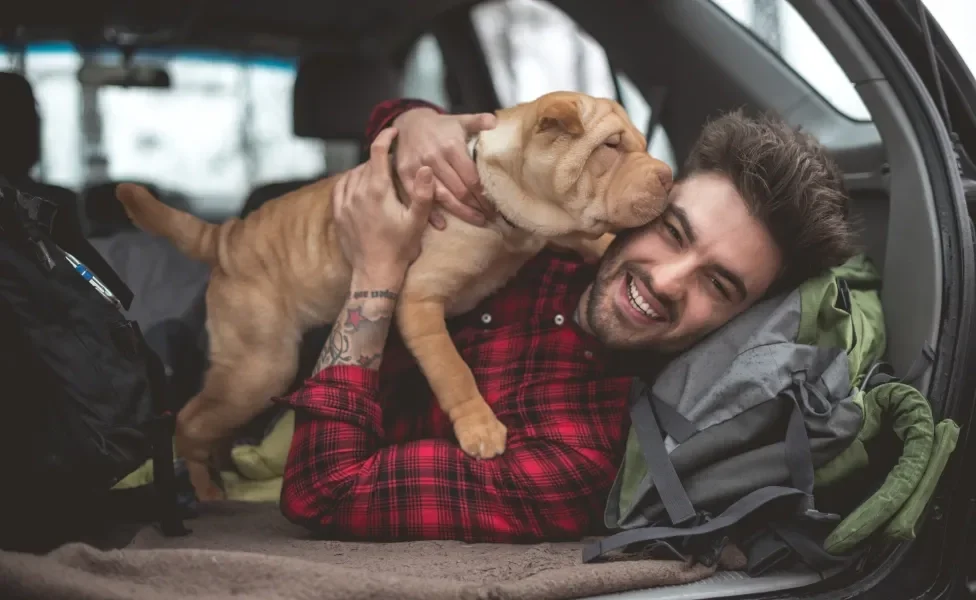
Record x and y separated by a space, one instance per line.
246 550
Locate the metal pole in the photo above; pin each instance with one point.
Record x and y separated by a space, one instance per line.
248 149
95 165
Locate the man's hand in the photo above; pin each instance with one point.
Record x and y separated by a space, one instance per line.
429 139
379 235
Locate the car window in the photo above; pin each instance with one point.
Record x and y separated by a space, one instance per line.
956 20
424 73
223 128
533 48
777 24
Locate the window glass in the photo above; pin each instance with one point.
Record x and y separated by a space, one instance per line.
777 24
956 19
424 73
224 127
640 113
533 48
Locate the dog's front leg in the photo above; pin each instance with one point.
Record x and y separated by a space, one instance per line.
424 331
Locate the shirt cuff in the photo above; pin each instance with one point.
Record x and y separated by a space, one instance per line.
338 388
385 113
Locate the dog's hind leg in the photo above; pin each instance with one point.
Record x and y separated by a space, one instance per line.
232 396
424 331
253 357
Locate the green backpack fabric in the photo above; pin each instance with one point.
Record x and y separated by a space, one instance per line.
741 430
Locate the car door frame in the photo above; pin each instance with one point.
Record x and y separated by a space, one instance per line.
932 566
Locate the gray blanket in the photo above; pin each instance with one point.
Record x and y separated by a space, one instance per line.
246 551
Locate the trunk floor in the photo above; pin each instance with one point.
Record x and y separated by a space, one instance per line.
246 550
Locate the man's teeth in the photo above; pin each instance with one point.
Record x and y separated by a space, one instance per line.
638 302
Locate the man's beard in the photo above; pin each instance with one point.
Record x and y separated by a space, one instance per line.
600 313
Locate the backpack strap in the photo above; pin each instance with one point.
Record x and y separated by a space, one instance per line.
733 515
672 422
781 539
666 480
882 372
21 220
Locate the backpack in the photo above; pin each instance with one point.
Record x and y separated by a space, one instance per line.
83 396
731 439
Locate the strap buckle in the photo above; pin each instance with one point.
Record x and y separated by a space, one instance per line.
820 517
713 551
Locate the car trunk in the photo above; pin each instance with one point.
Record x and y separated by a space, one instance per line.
247 550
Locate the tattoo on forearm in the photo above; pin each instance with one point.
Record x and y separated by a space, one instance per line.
370 362
373 294
360 332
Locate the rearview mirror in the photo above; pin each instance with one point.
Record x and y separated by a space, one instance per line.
140 76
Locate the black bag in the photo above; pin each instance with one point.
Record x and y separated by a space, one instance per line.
82 397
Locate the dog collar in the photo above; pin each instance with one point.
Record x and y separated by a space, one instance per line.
473 151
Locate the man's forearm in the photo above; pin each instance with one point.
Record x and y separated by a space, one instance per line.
360 331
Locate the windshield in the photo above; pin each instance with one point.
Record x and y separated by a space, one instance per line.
224 127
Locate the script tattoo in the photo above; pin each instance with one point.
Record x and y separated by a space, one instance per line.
359 334
387 294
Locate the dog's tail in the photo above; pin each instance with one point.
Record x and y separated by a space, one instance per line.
194 237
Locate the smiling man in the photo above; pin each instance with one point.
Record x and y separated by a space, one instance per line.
758 208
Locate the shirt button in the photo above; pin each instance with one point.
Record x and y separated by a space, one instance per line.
486 318
588 354
559 319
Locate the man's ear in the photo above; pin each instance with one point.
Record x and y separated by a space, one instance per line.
560 113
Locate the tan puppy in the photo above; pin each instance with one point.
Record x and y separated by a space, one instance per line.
567 168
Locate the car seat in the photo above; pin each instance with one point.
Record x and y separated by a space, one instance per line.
332 101
102 212
262 193
20 150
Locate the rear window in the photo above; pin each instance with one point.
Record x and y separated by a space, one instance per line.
781 28
532 47
224 127
956 19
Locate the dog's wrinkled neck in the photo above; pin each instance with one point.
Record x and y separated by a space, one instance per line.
473 151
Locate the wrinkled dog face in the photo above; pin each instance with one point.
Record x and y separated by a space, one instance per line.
569 162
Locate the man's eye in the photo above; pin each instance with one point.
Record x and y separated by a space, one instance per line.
673 231
718 286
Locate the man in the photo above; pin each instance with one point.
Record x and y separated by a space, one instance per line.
758 208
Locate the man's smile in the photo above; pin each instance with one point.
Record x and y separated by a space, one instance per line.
638 303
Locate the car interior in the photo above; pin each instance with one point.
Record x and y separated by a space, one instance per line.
676 63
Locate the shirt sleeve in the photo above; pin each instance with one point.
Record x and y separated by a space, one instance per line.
343 480
385 112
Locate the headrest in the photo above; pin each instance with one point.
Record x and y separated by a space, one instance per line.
103 211
333 97
20 124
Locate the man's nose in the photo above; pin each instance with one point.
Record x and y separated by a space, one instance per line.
671 279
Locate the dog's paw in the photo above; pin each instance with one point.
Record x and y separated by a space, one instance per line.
204 487
210 492
482 435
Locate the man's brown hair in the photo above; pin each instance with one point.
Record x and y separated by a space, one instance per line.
789 184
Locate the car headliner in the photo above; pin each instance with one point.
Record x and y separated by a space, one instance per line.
283 27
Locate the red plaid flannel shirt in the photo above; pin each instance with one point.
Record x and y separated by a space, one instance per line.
373 457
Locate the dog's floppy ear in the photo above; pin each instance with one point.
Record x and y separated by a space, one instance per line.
561 113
